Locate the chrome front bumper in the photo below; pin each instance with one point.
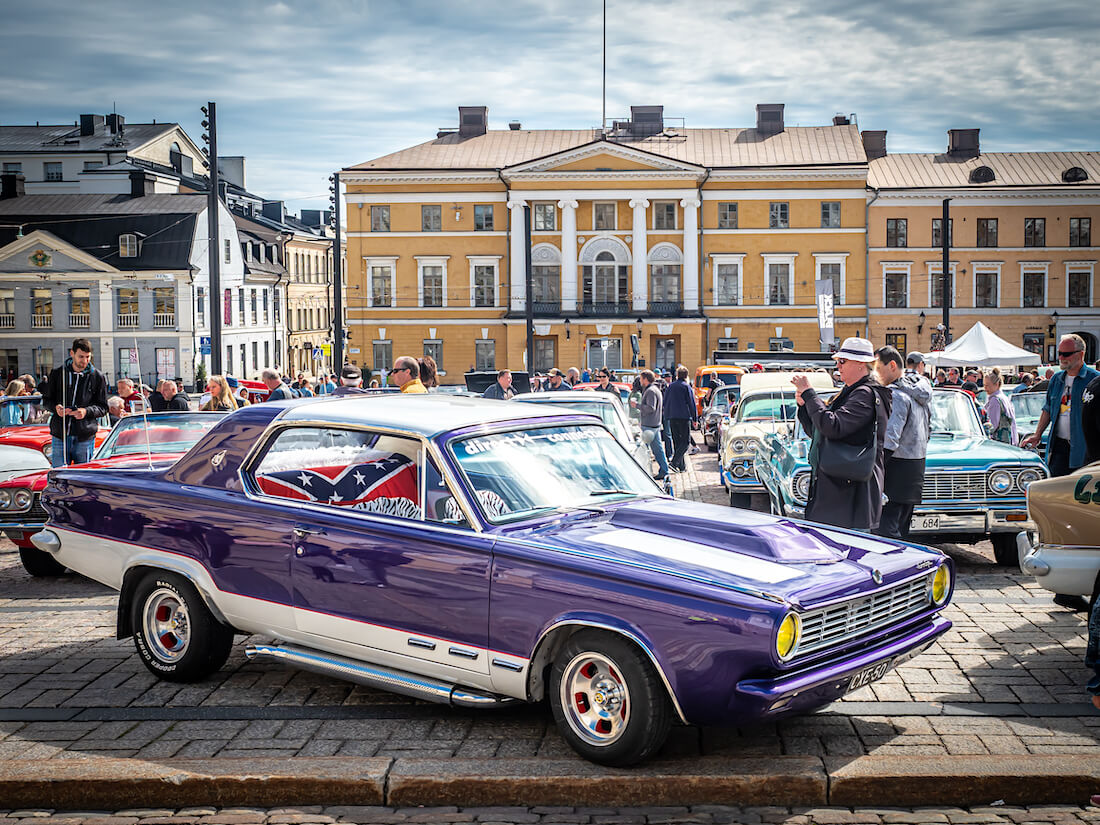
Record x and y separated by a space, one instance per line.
1067 570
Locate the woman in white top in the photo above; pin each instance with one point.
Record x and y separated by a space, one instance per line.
999 410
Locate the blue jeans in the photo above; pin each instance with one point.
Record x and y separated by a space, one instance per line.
652 437
1092 650
77 452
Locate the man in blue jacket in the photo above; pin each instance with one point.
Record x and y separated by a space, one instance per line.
680 411
1066 447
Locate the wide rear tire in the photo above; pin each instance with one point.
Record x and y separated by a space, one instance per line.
1005 550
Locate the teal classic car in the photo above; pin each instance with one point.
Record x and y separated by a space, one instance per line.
975 488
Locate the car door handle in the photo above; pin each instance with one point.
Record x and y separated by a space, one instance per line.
302 532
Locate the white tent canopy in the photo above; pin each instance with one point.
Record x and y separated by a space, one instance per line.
979 346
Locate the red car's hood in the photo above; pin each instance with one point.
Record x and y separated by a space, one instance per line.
37 480
35 437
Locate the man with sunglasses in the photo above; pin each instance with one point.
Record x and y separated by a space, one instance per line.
406 375
1066 447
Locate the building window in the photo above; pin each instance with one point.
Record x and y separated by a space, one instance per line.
830 214
267 312
379 219
1034 342
200 305
727 215
1035 232
897 340
12 168
127 246
228 251
987 232
79 308
164 306
382 356
483 217
604 282
277 300
431 285
1079 288
42 357
381 278
240 305
780 344
1035 288
897 288
485 355
728 276
543 217
434 350
779 215
546 283
267 353
664 215
255 355
1080 231
896 232
664 355
227 310
604 217
254 305
727 344
52 171
985 288
779 278
127 300
431 217
831 271
89 165
545 354
664 283
937 228
935 286
485 287
127 363
41 308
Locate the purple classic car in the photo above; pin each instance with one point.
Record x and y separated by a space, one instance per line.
477 553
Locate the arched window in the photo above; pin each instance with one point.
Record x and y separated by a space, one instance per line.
983 174
546 279
664 280
605 277
1075 174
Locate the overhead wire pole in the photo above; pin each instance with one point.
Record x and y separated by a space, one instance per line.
530 306
603 96
945 238
337 281
213 196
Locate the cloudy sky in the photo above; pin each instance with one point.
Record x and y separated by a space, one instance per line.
304 88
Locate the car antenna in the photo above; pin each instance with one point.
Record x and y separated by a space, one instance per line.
144 406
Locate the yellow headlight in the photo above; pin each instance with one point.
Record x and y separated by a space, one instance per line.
941 583
786 638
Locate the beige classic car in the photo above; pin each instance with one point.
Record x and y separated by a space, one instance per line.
1066 557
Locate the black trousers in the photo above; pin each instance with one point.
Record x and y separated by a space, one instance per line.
681 438
1058 457
895 520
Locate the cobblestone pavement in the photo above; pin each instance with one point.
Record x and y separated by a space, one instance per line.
1008 679
702 814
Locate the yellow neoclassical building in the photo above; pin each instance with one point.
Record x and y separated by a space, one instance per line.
691 239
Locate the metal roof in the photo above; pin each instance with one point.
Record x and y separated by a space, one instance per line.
499 149
914 171
54 139
427 414
119 204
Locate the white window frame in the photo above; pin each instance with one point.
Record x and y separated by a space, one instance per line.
128 246
736 212
484 260
984 266
1076 266
1036 266
898 266
430 260
719 258
675 216
785 258
834 258
391 264
935 269
614 212
553 213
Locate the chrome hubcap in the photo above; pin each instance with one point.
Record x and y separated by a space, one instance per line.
166 624
595 699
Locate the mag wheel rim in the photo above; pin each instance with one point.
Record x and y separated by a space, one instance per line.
595 699
167 625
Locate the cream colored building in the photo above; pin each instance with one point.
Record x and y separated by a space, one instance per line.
691 239
308 299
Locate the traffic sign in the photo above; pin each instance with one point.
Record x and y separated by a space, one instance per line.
204 345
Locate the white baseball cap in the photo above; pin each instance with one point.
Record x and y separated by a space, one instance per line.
856 349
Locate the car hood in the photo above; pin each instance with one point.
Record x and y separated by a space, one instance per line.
786 559
976 451
34 437
37 480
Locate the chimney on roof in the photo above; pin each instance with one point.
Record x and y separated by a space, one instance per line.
874 144
647 120
274 211
962 143
11 186
88 124
115 123
140 184
841 120
473 120
769 118
515 125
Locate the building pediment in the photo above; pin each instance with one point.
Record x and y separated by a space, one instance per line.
42 252
604 156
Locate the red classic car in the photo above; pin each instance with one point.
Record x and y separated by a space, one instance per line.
137 441
25 438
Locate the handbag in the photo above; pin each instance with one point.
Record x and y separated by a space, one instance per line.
853 462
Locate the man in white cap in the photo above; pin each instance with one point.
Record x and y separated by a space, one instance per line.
351 382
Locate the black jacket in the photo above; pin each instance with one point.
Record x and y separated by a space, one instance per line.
87 389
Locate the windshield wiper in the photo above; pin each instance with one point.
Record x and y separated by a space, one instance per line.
943 432
612 493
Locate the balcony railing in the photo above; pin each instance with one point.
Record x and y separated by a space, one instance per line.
41 321
79 320
546 307
128 320
164 319
7 320
666 309
602 308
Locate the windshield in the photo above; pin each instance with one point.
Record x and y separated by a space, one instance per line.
166 433
953 413
1028 404
22 411
519 474
607 413
772 406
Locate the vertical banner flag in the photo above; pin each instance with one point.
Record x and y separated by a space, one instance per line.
824 291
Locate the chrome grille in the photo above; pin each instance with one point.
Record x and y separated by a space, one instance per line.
837 623
36 514
954 487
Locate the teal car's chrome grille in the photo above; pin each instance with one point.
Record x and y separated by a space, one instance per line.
954 486
837 623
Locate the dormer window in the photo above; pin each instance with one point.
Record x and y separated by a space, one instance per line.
128 246
1075 174
983 174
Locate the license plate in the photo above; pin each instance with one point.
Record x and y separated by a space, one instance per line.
869 674
925 523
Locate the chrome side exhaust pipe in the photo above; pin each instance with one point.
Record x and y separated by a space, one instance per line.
376 676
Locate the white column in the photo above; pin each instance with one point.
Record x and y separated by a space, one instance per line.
690 272
639 287
517 258
568 255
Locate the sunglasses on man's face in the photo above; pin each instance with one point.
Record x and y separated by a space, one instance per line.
840 362
1067 353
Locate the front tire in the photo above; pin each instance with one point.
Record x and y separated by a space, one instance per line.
40 564
1005 550
742 500
176 635
608 702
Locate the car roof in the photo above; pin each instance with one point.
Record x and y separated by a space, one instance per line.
428 414
567 397
782 381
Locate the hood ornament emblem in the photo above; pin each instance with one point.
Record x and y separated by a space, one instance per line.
217 459
876 576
